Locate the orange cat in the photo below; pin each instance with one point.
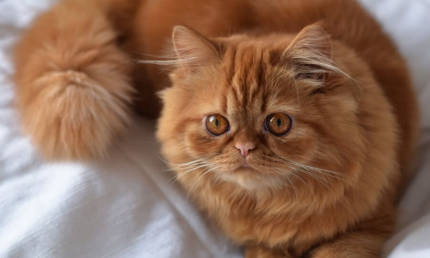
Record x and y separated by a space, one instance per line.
290 123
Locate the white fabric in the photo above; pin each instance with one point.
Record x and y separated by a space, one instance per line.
128 205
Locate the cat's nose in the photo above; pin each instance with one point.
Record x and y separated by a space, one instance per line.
244 148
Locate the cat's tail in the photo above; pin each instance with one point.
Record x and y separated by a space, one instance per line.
73 81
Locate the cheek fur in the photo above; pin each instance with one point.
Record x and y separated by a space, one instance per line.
201 143
298 146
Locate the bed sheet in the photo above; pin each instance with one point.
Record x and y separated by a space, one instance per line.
128 204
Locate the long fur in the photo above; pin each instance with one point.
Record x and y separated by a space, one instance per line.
326 189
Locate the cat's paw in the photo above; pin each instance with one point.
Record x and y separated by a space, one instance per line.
263 252
343 251
72 116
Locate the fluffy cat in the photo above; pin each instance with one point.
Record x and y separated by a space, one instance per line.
289 123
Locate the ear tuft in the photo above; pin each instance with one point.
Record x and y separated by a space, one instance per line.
192 48
310 53
314 39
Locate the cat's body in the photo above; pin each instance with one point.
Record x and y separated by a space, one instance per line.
344 88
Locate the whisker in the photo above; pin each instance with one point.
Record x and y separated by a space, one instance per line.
297 175
185 164
190 170
296 168
316 169
200 178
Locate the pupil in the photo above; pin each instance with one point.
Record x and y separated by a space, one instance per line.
279 122
216 122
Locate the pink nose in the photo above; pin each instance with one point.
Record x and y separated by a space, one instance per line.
245 148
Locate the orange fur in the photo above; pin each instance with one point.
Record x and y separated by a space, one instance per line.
326 189
73 82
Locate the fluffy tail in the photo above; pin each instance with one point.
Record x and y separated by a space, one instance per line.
73 81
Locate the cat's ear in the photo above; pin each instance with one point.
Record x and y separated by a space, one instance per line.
193 49
310 53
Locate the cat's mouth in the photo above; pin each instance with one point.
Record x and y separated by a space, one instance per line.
251 172
245 168
245 165
249 177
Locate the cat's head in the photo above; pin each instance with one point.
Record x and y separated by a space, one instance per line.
273 111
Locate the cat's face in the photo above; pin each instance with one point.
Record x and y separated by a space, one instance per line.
258 113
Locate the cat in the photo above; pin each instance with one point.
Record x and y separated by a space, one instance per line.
291 124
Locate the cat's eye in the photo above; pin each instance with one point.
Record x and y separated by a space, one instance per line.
217 124
278 124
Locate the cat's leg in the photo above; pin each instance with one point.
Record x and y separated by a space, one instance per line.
73 81
264 252
365 242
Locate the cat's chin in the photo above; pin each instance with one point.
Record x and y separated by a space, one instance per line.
250 179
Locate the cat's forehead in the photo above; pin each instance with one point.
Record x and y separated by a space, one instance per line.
253 83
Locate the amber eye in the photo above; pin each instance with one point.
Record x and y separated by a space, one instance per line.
217 124
278 124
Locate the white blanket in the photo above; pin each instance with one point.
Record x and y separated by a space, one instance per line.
128 205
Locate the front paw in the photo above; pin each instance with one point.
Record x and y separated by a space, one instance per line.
353 247
264 252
